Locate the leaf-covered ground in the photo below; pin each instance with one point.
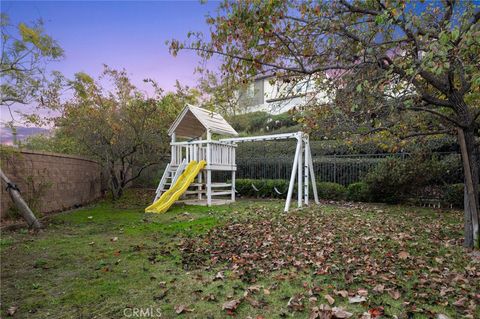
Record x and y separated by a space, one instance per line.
365 255
247 260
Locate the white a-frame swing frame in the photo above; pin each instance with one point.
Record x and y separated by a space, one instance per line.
302 169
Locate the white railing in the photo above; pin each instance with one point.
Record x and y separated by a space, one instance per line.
222 155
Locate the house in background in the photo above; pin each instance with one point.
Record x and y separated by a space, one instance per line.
277 95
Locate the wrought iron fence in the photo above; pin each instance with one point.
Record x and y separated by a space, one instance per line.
341 169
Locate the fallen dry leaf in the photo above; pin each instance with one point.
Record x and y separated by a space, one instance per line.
366 315
254 289
379 288
179 309
296 303
253 302
219 276
231 305
11 310
395 294
342 293
210 297
460 302
357 299
403 255
341 313
362 292
330 299
321 312
376 312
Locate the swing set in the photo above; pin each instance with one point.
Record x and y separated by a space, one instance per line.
194 158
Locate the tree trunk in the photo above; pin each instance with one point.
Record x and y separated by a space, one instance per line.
22 206
466 139
116 185
113 183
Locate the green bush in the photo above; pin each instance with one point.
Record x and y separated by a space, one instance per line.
452 172
358 192
454 195
394 179
266 187
259 121
248 122
332 191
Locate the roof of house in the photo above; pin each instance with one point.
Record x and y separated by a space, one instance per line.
193 122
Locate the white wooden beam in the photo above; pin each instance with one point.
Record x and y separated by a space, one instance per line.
233 186
306 169
312 175
300 172
209 171
272 137
292 177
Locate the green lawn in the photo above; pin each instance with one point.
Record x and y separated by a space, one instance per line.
106 260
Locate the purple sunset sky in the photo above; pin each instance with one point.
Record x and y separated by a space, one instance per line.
122 34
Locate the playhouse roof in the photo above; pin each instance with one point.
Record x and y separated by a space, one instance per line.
194 121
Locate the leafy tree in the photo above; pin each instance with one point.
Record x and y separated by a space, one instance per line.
56 142
26 50
220 93
403 56
116 123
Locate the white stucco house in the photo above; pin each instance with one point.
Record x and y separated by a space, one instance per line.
277 95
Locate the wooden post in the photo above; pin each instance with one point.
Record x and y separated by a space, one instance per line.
292 177
300 172
173 153
312 175
233 163
233 186
209 171
469 188
22 206
305 171
199 178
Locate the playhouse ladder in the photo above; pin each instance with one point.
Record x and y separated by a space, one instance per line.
170 176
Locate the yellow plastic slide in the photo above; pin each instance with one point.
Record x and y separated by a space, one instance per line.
173 194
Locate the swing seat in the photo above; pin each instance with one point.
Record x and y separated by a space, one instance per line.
254 188
277 191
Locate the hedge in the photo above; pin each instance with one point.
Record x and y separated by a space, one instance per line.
356 192
269 188
265 187
454 195
359 192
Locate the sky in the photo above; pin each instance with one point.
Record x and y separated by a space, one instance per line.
122 34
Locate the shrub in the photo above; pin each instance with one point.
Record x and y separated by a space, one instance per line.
266 187
452 172
395 178
358 192
249 122
334 191
454 195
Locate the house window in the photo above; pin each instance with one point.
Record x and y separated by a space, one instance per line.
250 92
